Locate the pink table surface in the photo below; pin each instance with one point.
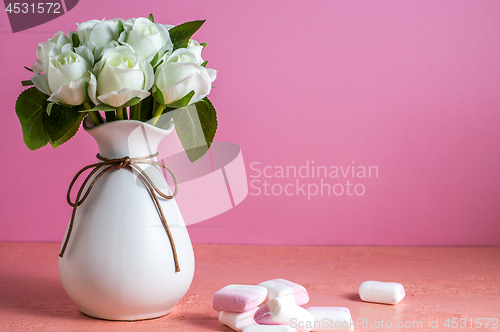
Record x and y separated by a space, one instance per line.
441 283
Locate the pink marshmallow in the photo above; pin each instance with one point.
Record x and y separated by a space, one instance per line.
287 290
239 298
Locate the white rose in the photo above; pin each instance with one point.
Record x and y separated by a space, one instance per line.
147 38
54 46
121 75
96 35
182 73
186 55
192 43
64 78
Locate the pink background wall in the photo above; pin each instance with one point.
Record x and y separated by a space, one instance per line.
412 87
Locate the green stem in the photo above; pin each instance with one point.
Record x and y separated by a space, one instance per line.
135 112
96 118
119 114
110 116
156 116
132 113
99 116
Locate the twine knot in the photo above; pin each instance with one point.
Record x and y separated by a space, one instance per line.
99 169
124 163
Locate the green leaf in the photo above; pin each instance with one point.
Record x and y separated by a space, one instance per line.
183 102
105 107
165 118
196 126
181 34
157 65
120 27
204 64
27 83
147 108
203 44
69 134
31 105
158 96
100 107
208 118
31 70
62 123
49 108
132 102
154 60
151 18
76 40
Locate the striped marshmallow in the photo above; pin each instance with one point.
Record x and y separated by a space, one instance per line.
286 290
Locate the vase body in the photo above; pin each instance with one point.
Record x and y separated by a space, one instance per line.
119 264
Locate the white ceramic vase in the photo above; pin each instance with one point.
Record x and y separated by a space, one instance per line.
119 264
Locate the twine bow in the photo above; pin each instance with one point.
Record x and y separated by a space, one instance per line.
126 162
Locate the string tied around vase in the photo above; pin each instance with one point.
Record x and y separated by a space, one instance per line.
100 168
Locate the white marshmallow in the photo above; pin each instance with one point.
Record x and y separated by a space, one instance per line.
331 319
279 311
237 320
269 328
287 290
381 292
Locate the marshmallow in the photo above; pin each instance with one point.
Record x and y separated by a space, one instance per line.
279 311
269 328
239 298
381 292
287 290
236 320
331 319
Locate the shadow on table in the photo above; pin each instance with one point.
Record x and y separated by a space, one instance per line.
36 295
32 295
352 297
205 321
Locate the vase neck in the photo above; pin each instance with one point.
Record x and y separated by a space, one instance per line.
127 138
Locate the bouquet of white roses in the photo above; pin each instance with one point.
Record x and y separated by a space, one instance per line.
117 69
